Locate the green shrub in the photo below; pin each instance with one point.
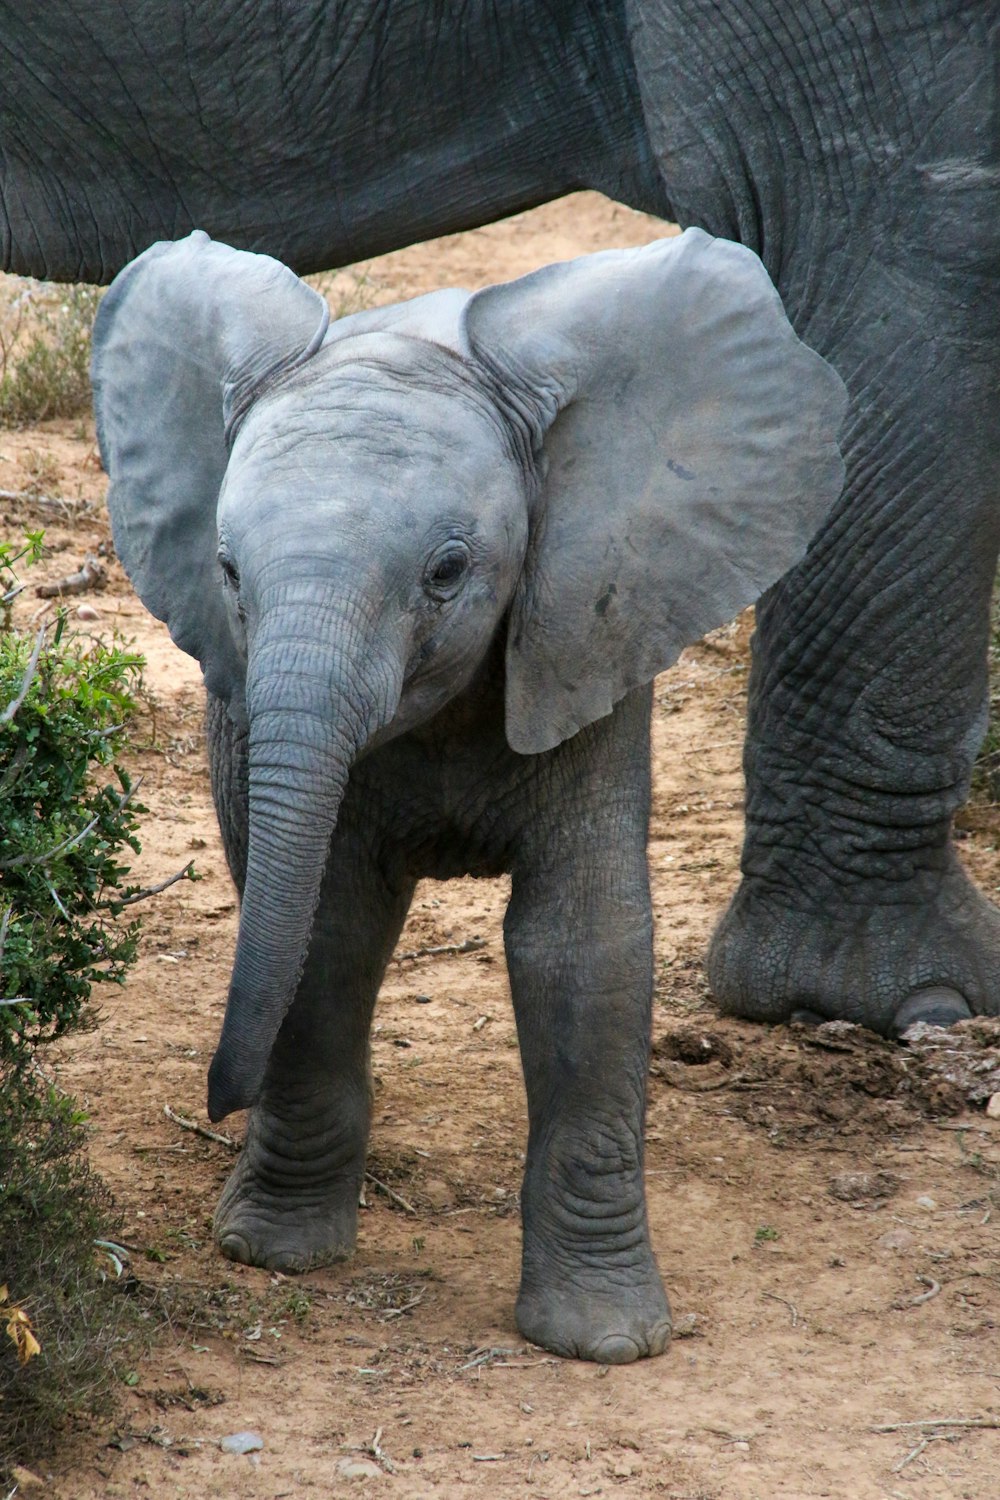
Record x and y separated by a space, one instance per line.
45 352
61 831
66 816
88 1323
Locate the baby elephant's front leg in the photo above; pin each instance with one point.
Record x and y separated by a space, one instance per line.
579 950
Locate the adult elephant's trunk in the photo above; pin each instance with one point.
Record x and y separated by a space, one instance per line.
310 715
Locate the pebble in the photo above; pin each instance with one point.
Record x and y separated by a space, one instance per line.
896 1239
993 1107
242 1442
26 1479
358 1468
87 612
853 1186
924 1202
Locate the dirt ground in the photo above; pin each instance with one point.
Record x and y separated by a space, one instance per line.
824 1206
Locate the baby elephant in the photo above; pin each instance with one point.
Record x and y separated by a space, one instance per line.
429 558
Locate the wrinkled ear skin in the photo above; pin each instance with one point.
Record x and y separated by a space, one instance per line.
189 335
688 447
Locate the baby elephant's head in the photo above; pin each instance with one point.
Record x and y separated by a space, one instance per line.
606 459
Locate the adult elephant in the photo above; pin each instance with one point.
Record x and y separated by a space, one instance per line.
855 147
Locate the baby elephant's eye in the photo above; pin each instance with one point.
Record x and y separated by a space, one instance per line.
446 569
230 569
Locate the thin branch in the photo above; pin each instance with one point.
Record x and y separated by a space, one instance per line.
26 680
773 1297
393 1196
92 575
154 890
3 933
55 896
471 945
202 1130
988 1422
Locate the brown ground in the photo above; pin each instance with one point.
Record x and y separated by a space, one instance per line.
798 1289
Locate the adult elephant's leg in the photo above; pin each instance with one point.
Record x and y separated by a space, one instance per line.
868 692
579 950
291 1201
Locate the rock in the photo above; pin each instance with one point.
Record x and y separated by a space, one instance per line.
26 1479
358 1468
242 1442
437 1194
993 1107
850 1187
896 1239
924 1202
87 612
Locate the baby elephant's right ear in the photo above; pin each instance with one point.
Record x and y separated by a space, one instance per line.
187 338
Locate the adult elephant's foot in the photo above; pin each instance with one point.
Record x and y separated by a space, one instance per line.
930 953
285 1207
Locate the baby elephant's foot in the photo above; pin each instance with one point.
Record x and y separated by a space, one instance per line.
590 1288
286 1221
613 1327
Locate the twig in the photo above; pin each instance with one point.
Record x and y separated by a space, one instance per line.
91 576
521 1364
154 890
913 1453
928 1281
52 502
202 1130
29 673
483 1357
773 1297
379 1454
987 1422
397 1312
393 1196
3 933
471 945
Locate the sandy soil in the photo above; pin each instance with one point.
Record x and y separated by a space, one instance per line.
824 1208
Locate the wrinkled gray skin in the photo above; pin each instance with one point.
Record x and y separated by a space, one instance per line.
429 559
855 147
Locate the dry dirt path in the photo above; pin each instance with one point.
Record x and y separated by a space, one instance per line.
798 1291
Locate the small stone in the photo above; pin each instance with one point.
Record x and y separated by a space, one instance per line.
26 1479
687 1326
437 1194
242 1442
87 612
741 1447
895 1239
358 1468
993 1107
853 1187
924 1202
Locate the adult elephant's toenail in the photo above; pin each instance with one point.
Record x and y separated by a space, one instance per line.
235 1247
938 1005
617 1349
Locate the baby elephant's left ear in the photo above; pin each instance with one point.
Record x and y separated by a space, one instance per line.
689 452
